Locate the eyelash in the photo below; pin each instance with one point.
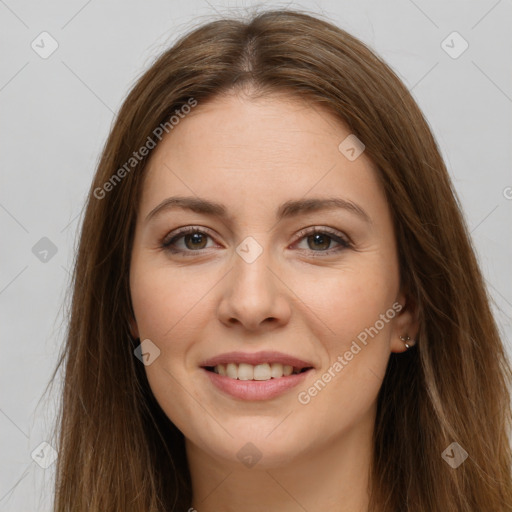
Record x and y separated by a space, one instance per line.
169 240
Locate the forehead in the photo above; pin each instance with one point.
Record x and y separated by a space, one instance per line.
263 150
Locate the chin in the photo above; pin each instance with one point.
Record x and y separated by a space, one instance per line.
253 447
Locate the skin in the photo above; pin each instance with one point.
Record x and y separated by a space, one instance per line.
301 296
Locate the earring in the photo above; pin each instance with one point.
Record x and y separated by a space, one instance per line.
405 340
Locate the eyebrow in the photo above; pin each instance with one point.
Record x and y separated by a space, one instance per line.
286 210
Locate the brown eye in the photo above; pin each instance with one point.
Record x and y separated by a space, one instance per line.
320 241
194 240
190 240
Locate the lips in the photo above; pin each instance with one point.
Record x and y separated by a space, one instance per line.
257 376
257 358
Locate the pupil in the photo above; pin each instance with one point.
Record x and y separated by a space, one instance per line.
196 238
320 237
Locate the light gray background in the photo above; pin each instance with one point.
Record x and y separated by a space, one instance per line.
56 114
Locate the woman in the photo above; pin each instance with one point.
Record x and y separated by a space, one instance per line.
276 301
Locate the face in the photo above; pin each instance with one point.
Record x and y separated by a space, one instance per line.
280 257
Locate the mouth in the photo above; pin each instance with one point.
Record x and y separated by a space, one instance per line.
258 372
261 366
256 376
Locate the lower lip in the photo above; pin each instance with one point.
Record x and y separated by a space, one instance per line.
256 389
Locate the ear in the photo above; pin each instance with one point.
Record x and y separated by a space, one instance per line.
134 330
406 323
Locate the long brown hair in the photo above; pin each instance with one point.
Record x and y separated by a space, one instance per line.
118 450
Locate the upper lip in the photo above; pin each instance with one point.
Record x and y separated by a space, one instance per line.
257 358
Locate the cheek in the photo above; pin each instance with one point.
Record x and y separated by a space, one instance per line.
169 311
164 298
355 355
353 316
349 300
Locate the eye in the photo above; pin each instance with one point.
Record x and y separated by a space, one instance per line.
320 240
194 240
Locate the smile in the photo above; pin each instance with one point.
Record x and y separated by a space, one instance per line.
264 371
255 376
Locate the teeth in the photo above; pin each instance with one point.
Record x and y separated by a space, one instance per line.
232 371
262 372
244 371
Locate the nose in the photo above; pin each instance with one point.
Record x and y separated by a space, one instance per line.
254 296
